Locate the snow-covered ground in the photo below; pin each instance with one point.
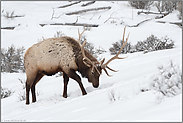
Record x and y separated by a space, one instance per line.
134 72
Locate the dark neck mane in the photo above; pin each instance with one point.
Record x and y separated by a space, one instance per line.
82 68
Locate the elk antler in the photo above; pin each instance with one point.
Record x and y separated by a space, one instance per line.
104 66
85 58
80 34
83 53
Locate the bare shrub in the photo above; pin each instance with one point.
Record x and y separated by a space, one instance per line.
12 59
113 96
115 48
91 48
23 83
179 16
87 28
166 6
141 4
168 81
179 8
9 15
5 92
59 34
117 45
21 96
100 50
152 43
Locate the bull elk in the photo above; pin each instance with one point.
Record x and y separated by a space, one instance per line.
63 54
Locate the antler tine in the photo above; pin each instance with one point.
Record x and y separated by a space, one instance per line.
80 34
101 62
107 72
82 50
112 69
123 41
116 56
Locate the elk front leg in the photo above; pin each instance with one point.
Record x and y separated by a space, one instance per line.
66 80
76 77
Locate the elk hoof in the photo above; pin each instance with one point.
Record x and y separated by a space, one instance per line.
33 101
65 96
85 93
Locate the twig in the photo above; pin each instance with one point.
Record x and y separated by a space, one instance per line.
9 28
139 23
92 2
72 24
76 20
109 17
92 16
18 16
11 15
99 17
54 13
69 4
158 7
139 12
86 10
43 24
163 14
176 23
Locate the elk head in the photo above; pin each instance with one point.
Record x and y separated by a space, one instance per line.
95 68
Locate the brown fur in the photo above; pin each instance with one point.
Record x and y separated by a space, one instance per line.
54 55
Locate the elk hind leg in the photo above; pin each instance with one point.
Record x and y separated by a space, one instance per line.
29 83
27 92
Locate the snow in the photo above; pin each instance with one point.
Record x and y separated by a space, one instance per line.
135 72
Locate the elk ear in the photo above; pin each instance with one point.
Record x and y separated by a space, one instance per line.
86 62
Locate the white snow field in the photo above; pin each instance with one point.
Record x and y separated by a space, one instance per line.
135 72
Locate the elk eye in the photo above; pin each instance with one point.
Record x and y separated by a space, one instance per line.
92 72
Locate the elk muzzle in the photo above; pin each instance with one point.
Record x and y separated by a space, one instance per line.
95 85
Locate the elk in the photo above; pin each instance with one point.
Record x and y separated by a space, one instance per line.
67 55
